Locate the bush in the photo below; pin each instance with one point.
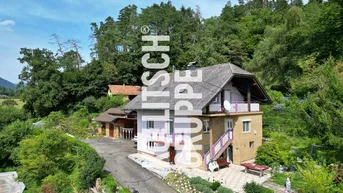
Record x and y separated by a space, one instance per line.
253 187
316 178
268 154
124 190
201 187
222 189
51 157
215 185
199 180
109 184
10 138
9 102
104 103
9 115
57 183
207 190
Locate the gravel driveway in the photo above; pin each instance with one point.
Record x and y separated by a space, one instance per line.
128 173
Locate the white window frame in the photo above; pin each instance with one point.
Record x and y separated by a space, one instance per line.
249 121
206 129
150 124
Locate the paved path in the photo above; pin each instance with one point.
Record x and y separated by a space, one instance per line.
233 177
8 183
128 173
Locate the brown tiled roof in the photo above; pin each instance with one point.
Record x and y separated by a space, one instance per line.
111 115
124 89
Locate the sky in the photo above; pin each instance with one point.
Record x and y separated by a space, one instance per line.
30 24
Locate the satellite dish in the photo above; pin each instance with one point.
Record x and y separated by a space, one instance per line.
227 105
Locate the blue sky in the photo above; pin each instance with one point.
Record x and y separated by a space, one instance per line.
30 24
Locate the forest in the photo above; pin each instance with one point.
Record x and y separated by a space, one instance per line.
295 50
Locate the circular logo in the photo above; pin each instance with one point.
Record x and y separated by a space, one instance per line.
145 29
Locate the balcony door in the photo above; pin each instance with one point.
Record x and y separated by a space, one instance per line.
228 124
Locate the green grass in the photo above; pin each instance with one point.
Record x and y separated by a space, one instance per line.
18 101
280 179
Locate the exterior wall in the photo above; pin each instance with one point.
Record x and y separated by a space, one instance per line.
142 131
241 150
235 96
107 129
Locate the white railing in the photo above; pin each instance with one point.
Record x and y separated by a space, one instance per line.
236 107
228 135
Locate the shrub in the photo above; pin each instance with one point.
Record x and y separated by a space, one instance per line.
215 185
9 115
253 187
124 190
104 103
10 138
57 183
51 154
222 189
199 180
109 183
268 154
207 190
9 102
201 187
316 178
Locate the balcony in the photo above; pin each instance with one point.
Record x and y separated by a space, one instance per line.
174 139
235 107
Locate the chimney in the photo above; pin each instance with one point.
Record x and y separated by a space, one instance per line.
192 65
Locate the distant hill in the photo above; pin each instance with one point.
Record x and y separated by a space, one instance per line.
6 83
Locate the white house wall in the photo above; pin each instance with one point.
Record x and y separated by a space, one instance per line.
143 134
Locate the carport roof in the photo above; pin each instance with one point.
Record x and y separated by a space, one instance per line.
110 115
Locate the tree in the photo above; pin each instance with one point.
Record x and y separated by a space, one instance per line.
51 154
10 138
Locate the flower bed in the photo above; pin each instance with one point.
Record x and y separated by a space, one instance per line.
182 183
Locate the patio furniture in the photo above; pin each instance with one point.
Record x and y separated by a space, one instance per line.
254 167
222 162
213 166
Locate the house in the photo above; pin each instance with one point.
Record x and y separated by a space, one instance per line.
231 117
117 123
129 92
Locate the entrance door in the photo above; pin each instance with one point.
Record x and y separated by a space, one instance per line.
228 124
111 130
172 154
229 154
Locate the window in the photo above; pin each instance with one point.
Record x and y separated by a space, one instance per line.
229 124
206 126
246 126
171 126
150 124
150 145
251 144
216 100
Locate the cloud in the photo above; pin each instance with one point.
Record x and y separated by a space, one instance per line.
7 25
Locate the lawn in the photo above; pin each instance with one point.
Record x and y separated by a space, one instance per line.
18 101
